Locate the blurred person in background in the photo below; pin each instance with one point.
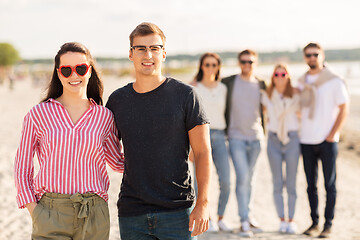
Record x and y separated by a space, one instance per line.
245 129
213 95
74 137
281 102
324 103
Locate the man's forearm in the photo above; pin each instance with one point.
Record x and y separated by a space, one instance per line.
344 110
203 173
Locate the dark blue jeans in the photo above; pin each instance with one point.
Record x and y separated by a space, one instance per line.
327 153
162 226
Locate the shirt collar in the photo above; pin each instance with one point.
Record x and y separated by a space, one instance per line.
93 103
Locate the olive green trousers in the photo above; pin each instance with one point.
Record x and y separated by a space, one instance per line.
77 217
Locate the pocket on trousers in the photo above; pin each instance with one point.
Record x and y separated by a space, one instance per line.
36 212
104 211
293 134
273 136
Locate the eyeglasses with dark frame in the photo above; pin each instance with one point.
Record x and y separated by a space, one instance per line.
141 49
309 55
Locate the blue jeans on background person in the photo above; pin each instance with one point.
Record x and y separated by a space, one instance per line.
152 226
277 154
244 154
220 157
327 153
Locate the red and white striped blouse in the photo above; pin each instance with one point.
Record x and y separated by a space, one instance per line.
71 157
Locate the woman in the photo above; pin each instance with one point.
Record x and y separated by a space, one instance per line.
73 136
213 95
281 102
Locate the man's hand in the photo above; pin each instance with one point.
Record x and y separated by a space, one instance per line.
340 119
199 216
200 143
330 139
30 207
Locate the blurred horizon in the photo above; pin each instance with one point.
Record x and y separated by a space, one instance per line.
38 28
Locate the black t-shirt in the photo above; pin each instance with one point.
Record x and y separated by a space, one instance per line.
153 127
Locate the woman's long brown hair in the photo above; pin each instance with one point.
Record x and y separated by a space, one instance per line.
200 73
95 86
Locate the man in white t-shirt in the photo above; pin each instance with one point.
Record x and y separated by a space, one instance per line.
324 107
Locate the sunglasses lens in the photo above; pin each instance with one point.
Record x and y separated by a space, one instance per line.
66 71
309 55
81 70
279 74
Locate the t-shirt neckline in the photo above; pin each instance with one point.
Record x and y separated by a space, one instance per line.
150 92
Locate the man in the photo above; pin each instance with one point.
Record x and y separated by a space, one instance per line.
324 107
157 118
244 128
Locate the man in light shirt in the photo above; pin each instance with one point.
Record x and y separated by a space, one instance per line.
244 130
324 107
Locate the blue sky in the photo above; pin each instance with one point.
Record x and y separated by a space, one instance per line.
37 28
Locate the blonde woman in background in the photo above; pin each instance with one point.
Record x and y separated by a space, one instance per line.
281 102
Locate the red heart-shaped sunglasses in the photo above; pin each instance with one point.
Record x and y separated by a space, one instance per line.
80 69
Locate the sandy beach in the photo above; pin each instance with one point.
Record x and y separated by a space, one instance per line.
15 224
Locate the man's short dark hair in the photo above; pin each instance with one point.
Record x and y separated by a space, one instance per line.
313 45
247 52
145 29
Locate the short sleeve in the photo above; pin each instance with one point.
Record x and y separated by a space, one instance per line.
194 111
264 98
341 93
108 104
300 86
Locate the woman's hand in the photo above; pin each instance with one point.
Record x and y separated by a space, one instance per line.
30 207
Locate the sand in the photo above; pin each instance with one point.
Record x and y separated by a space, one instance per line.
16 223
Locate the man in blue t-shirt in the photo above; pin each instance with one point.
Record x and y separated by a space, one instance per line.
158 118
